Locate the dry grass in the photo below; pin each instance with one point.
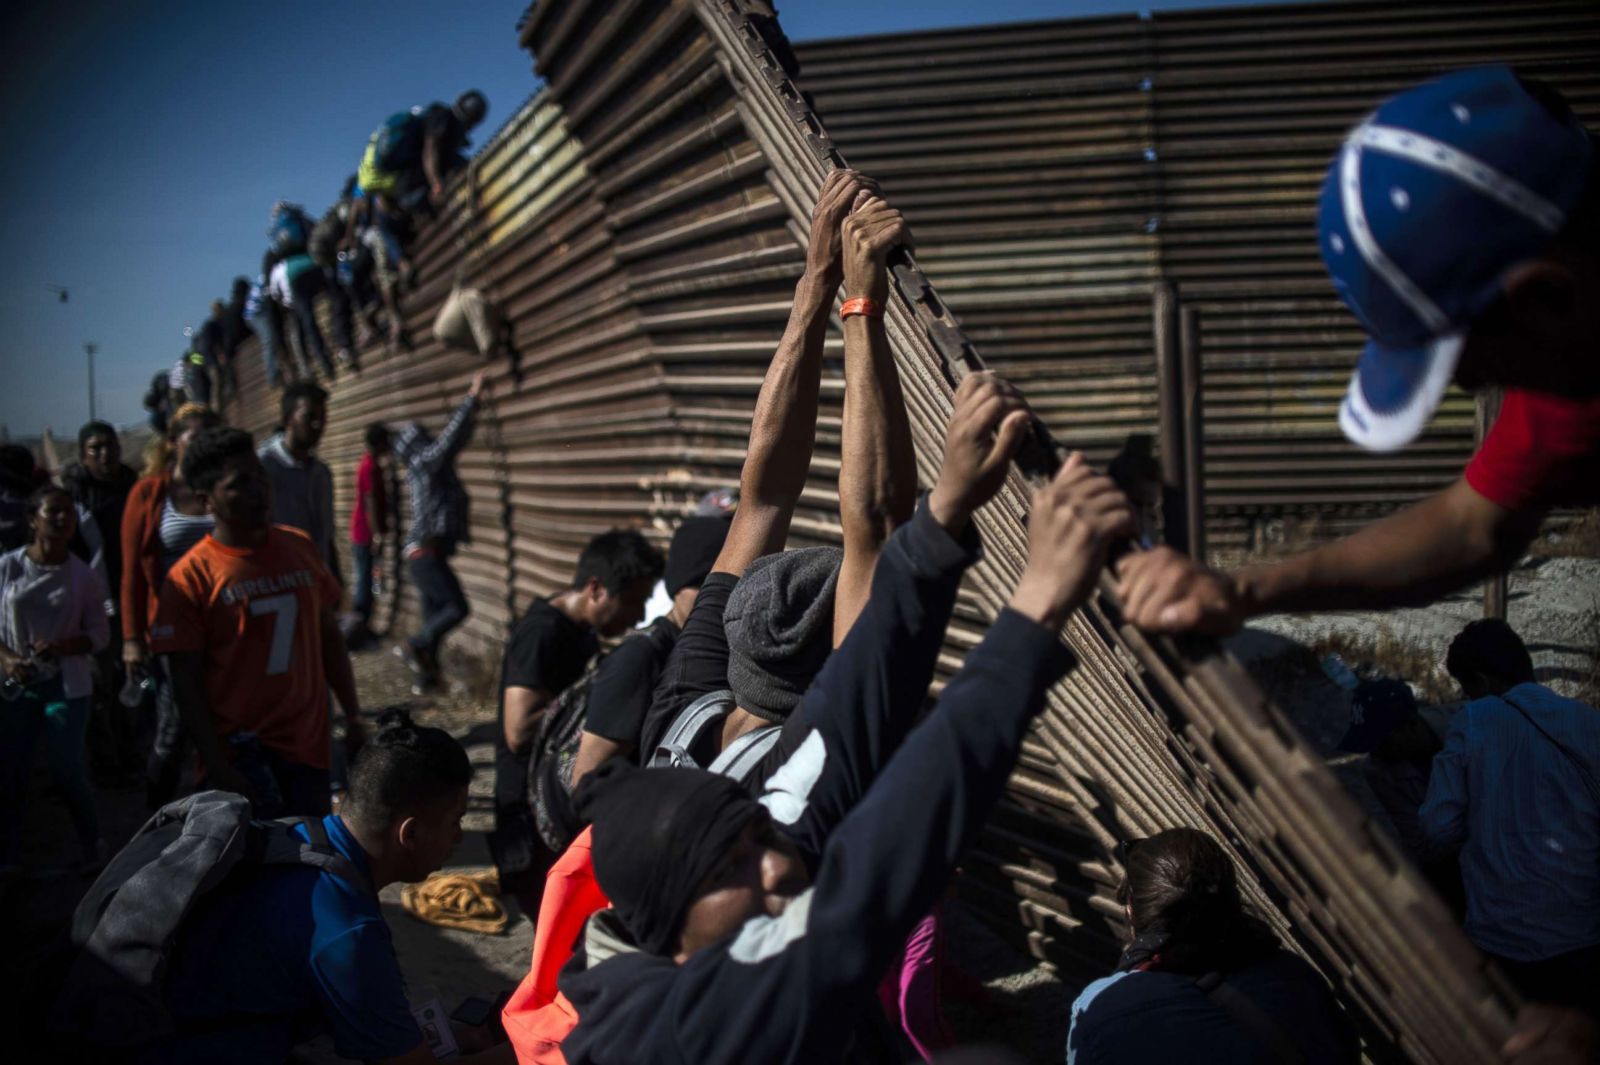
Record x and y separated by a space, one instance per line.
1575 538
1388 655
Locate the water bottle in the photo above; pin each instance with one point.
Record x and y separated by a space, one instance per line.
138 685
346 268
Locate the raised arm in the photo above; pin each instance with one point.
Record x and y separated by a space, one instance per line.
877 469
1427 550
872 688
893 855
783 428
454 436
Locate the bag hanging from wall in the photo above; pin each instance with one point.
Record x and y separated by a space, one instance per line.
468 321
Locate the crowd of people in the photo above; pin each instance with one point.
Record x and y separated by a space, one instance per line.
733 828
354 258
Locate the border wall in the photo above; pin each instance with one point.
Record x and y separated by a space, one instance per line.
639 220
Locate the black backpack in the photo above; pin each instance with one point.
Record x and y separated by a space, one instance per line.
555 749
695 736
125 928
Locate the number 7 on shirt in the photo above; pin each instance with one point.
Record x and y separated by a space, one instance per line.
284 608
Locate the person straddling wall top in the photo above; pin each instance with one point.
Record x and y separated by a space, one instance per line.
52 620
1461 225
247 619
1517 787
549 647
439 524
1204 979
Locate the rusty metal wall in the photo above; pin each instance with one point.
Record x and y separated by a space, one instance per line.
1053 171
639 219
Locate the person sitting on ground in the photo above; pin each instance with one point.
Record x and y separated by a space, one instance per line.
1401 744
52 620
302 484
247 618
320 957
1204 979
439 524
369 522
100 482
1494 285
759 931
1517 787
549 647
164 517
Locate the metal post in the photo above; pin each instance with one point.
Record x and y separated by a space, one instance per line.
1194 459
1495 588
89 350
1169 391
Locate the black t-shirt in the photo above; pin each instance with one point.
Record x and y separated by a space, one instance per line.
698 663
624 683
441 122
547 651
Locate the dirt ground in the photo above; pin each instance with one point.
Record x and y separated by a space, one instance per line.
1010 999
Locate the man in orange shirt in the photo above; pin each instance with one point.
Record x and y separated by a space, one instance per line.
247 617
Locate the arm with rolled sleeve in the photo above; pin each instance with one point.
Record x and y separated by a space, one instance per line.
1443 816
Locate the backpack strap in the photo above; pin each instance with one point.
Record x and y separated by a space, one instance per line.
674 748
1252 1018
740 758
283 847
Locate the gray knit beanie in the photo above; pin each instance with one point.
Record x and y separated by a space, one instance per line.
779 623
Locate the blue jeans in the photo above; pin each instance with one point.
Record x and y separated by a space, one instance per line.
361 596
444 604
265 325
64 722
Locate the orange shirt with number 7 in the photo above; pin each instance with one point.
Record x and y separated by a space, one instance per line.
256 615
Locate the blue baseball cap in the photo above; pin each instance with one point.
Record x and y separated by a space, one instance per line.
1430 201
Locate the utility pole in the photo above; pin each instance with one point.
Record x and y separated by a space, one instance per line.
89 350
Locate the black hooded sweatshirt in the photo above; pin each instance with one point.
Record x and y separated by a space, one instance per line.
881 838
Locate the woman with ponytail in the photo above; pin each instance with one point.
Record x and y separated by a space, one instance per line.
1203 979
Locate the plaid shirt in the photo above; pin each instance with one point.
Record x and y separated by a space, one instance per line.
438 502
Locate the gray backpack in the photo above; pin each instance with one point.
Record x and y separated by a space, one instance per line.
692 738
126 926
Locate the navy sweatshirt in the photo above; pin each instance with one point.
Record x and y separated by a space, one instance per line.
882 834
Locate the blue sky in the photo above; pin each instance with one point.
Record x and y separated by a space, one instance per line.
146 141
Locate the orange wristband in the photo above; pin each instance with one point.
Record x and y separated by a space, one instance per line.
862 306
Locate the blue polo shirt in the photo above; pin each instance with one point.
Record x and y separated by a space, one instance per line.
287 956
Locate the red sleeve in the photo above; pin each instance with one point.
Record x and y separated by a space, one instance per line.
180 623
364 477
135 592
1538 452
